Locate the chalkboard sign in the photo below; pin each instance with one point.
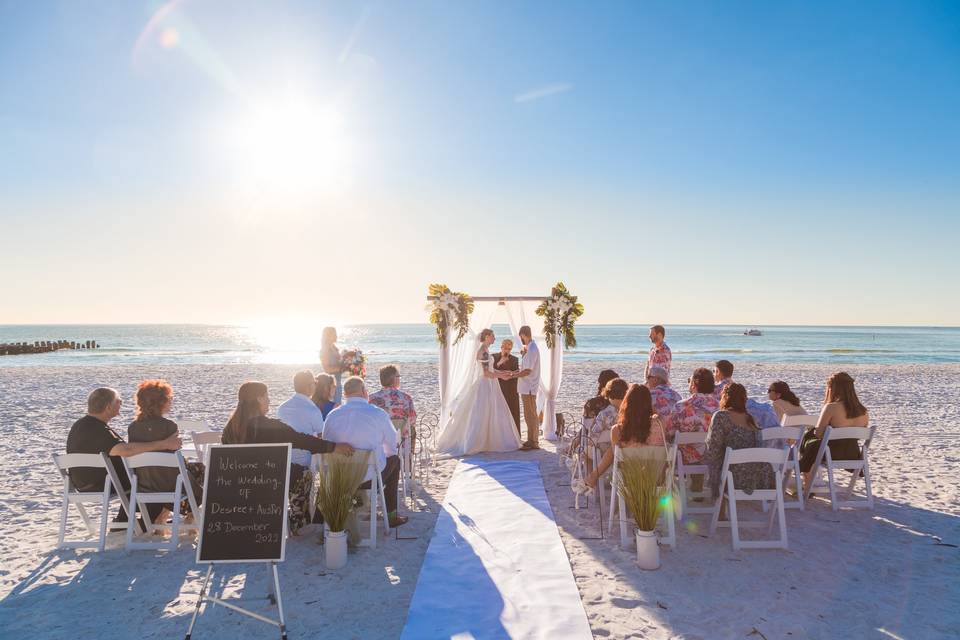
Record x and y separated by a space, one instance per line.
245 503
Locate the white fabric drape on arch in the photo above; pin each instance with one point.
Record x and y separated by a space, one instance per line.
523 312
458 362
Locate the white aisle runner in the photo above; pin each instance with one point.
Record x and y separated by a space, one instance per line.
496 567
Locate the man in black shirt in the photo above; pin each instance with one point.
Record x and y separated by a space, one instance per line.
505 361
91 434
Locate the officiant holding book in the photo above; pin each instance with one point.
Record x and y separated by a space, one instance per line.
505 361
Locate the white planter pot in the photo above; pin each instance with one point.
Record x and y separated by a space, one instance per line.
335 548
648 550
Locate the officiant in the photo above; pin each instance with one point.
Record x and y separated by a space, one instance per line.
505 361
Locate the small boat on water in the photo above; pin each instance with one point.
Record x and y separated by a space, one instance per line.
753 332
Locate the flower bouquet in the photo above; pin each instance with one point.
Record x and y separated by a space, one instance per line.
354 362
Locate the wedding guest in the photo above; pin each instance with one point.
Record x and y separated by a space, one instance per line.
330 360
92 434
249 424
695 412
665 397
506 361
326 389
154 398
591 408
300 412
366 427
637 426
660 354
731 426
397 404
841 408
528 387
602 426
785 402
722 376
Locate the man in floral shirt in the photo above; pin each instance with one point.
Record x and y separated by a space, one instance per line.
397 404
663 397
695 413
660 355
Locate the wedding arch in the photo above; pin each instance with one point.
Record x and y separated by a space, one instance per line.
459 318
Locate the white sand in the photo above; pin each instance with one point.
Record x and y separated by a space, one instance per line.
856 573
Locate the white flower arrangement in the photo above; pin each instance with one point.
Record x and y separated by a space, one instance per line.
560 312
449 308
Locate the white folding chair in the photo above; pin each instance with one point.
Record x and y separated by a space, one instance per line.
657 454
375 494
790 436
684 472
202 441
857 467
141 498
71 496
193 426
774 457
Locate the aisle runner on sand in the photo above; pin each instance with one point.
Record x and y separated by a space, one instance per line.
495 567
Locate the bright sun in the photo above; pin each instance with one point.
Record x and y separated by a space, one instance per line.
293 148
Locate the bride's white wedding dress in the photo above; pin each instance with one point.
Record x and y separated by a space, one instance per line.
480 419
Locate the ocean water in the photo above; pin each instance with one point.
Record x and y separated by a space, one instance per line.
204 344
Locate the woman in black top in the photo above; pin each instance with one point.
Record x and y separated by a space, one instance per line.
249 424
154 399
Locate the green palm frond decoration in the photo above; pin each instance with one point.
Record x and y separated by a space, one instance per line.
560 313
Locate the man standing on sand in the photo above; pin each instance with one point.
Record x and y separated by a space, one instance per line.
660 355
506 361
528 387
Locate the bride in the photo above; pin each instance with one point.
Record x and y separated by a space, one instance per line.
480 419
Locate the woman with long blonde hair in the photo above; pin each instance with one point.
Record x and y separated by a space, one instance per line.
841 408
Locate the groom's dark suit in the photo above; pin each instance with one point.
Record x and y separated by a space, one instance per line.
509 387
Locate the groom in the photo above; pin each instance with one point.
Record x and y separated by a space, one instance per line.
528 386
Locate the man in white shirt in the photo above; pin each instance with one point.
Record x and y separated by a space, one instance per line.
364 426
528 385
302 414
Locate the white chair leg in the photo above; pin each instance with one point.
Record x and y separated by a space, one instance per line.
783 520
63 513
383 504
732 512
624 536
132 514
866 482
833 491
372 495
104 514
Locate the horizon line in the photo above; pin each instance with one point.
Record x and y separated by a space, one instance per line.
385 324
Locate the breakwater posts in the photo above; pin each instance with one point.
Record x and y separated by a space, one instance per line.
44 346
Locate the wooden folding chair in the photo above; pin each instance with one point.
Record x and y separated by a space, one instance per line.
774 457
857 467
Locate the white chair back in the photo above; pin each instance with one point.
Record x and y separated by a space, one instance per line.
858 468
141 497
193 426
202 441
757 455
112 488
684 472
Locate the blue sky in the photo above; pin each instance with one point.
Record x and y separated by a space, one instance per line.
725 162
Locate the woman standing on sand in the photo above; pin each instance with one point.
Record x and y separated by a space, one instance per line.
841 408
330 360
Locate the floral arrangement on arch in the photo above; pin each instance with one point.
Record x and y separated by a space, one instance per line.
354 362
449 308
559 314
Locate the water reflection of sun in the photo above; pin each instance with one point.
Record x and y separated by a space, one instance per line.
290 340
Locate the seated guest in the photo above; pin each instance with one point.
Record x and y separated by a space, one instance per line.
154 399
637 426
665 398
841 408
694 413
602 425
323 395
397 404
722 376
731 426
92 434
365 426
762 413
594 405
302 414
249 424
785 402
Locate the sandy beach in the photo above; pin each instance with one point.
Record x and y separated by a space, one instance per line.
887 573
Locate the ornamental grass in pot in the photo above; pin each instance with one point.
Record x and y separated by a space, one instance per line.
335 499
639 486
